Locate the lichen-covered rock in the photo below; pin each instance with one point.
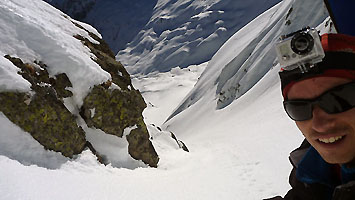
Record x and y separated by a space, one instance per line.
60 84
112 110
140 147
116 105
106 59
41 113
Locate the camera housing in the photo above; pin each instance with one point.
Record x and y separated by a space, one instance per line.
299 49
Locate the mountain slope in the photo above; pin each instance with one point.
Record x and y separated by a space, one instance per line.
185 32
164 33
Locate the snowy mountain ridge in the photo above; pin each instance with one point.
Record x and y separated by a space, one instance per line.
249 54
185 32
161 35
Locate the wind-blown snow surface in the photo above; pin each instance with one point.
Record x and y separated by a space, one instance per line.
185 32
46 35
159 88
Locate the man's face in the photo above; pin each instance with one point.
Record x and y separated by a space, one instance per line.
332 135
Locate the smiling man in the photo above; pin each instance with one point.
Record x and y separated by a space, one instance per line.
320 97
332 135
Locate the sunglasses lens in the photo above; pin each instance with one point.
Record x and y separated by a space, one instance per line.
340 100
298 110
336 100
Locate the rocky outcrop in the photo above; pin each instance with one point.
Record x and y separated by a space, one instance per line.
111 107
116 105
41 112
112 110
180 143
140 147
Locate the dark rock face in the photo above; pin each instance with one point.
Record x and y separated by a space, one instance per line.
140 147
116 105
180 143
43 114
112 110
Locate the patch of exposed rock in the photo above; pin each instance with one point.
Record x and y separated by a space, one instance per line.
116 105
41 112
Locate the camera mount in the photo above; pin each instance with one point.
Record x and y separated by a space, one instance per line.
301 49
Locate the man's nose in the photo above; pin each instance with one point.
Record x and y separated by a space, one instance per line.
322 121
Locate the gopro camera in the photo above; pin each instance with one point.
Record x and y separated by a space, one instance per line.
300 49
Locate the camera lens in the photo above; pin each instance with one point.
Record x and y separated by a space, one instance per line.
302 43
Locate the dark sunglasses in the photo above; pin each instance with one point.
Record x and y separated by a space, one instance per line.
335 100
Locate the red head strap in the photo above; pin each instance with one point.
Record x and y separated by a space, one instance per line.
339 61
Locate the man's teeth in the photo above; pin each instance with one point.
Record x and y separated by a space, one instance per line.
330 140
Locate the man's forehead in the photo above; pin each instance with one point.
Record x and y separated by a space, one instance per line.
313 87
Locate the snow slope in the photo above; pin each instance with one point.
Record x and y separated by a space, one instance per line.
47 35
236 159
238 152
185 32
159 88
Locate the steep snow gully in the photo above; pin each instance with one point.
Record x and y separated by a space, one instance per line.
230 113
